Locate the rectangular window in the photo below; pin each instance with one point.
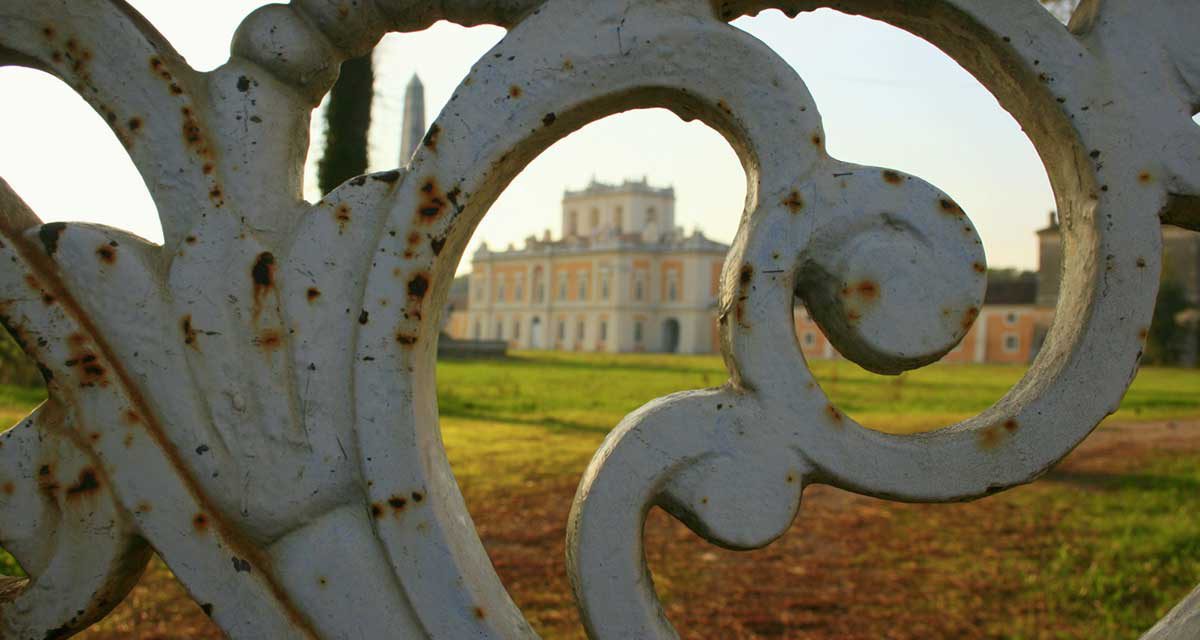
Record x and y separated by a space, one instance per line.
500 291
1010 318
637 331
517 329
579 331
518 291
639 287
562 330
583 283
478 331
604 286
603 331
1012 343
499 330
673 286
562 286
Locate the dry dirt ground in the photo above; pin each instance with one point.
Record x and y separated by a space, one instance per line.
851 567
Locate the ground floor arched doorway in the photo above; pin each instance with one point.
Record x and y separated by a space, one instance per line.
536 337
670 335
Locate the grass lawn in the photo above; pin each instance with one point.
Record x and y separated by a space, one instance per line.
1100 548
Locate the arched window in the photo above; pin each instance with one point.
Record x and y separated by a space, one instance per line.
619 219
594 219
651 215
572 223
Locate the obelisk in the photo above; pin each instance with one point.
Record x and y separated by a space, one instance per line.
414 119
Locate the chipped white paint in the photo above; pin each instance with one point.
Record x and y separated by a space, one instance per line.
263 383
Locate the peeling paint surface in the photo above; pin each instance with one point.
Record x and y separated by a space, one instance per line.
248 393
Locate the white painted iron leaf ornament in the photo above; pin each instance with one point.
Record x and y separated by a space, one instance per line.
262 384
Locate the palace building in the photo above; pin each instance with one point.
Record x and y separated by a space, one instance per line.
623 277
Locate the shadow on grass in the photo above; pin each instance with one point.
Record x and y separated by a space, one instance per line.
1100 481
547 423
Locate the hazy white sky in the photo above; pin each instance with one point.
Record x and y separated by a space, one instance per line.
887 98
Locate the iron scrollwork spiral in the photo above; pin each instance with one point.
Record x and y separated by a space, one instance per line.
206 404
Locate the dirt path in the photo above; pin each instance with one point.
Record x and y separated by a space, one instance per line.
852 567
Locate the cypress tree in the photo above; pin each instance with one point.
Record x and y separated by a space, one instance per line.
347 120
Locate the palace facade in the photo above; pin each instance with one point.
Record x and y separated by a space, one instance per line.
622 278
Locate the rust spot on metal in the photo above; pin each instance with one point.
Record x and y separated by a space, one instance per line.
397 503
969 317
8 488
1143 334
200 523
418 286
568 65
390 177
189 332
891 177
342 214
207 608
480 614
950 207
50 234
364 317
437 244
190 239
816 140
87 484
240 565
992 436
866 289
746 274
549 119
794 202
243 84
131 417
406 339
269 340
1141 263
515 91
417 496
107 254
143 507
47 299
834 413
1145 177
431 138
48 32
432 204
376 511
979 267
854 315
263 275
312 294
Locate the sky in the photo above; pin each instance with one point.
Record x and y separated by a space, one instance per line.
886 97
